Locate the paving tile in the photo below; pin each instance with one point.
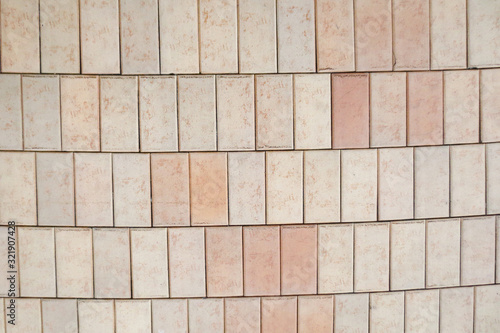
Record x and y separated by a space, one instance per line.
279 314
96 316
257 36
387 312
80 113
111 263
299 260
432 182
170 315
274 111
36 262
179 36
487 308
197 115
206 315
407 255
335 35
313 111
149 262
5 284
100 37
119 114
322 186
170 189
131 190
224 261
350 111
456 310
422 311
218 36
59 315
467 180
351 313
28 316
261 248
315 314
186 255
443 253
425 108
489 100
371 257
358 185
493 178
41 113
133 316
242 314
11 117
235 112
284 190
60 36
74 262
483 33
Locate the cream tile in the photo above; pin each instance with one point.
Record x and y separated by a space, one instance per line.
5 284
11 116
206 315
456 307
242 314
422 311
96 316
493 178
315 314
351 313
489 100
133 316
387 312
279 314
483 33
59 315
170 315
487 309
28 316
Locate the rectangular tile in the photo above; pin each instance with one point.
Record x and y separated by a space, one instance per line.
11 116
133 316
170 315
206 314
59 315
351 313
493 178
96 316
456 310
487 308
489 100
315 314
387 312
242 314
422 311
279 314
28 316
483 33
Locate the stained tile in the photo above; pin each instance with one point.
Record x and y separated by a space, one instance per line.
487 308
483 33
493 178
170 315
30 310
133 316
11 117
351 313
456 310
59 315
206 315
279 314
315 314
96 316
489 100
422 311
387 312
242 314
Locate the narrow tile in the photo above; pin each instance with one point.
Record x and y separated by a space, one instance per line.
279 314
133 316
28 316
351 313
493 178
11 116
315 314
170 315
206 315
59 315
489 100
456 310
483 33
387 312
487 309
242 314
96 316
422 311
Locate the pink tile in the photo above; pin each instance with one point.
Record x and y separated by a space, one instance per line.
279 314
59 315
489 100
351 313
315 314
206 315
493 178
96 316
387 312
487 308
422 311
11 116
242 314
483 33
133 316
170 315
456 310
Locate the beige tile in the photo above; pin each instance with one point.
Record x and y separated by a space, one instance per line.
284 190
111 263
197 115
483 33
467 180
489 100
493 178
41 113
186 255
36 262
149 262
170 315
274 111
80 113
93 190
119 113
74 262
100 37
170 189
432 182
242 314
11 116
59 315
96 316
257 36
28 316
235 112
247 202
351 313
6 286
443 253
60 36
20 36
487 309
179 36
133 316
139 37
279 314
422 311
206 315
358 185
456 308
131 190
407 255
387 312
315 314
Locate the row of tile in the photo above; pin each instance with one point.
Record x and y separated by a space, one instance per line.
263 112
247 188
255 260
247 36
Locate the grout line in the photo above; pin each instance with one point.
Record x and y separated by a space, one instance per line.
198 20
39 37
79 40
138 95
22 110
55 261
159 35
120 36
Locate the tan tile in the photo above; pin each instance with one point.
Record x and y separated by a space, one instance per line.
456 308
28 316
487 309
206 315
36 262
170 189
7 285
443 253
422 311
111 263
133 316
170 315
493 178
274 111
284 190
149 262
261 248
74 262
41 113
119 114
80 113
257 36
279 314
186 255
11 116
139 37
489 100
351 313
100 38
315 314
483 33
387 312
131 190
224 261
59 315
96 316
242 314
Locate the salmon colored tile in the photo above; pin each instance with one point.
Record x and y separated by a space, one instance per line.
493 178
100 37
80 113
483 33
139 37
206 315
261 248
224 261
235 112
284 190
487 308
5 284
279 314
218 36
425 108
315 314
186 255
59 315
387 109
133 316
351 313
74 262
335 35
242 314
456 310
350 111
111 263
96 316
179 36
489 101
387 312
170 315
422 311
274 111
11 116
31 312
257 36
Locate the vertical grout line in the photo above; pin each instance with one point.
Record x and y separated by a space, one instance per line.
377 185
215 79
449 181
98 79
39 37
266 175
276 24
353 226
60 113
189 189
340 186
294 112
389 257
169 284
255 111
426 232
41 314
315 36
92 230
159 35
130 263
205 259
443 106
460 236
407 109
80 39
176 78
429 18
280 231
237 36
151 190
114 315
354 35
55 260
74 188
111 155
120 35
199 34
370 110
138 95
466 34
22 109
35 157
77 315
393 29
242 262
413 181
227 190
